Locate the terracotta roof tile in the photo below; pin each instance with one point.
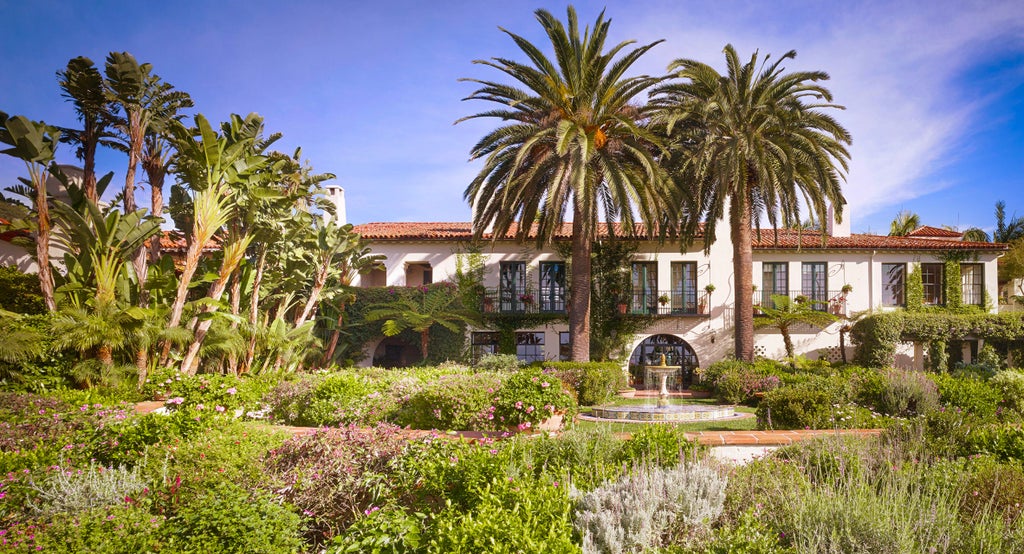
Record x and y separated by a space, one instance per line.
787 239
928 231
464 231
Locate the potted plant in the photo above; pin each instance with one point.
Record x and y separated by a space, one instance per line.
663 299
488 304
838 304
702 306
622 308
526 298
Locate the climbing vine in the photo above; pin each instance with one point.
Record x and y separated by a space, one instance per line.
877 335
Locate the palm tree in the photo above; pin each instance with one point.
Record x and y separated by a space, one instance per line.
166 105
754 140
573 140
787 312
904 223
83 85
1007 231
976 234
437 305
35 143
144 101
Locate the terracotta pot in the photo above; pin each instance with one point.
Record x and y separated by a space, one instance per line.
627 393
622 309
553 423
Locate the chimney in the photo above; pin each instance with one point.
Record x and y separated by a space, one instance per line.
336 195
836 229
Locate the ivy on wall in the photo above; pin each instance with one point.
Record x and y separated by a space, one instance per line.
358 332
876 335
915 289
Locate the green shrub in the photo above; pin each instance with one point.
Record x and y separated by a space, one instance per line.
334 474
508 518
455 401
593 382
498 363
993 487
389 530
126 441
737 382
19 292
1010 384
663 445
810 405
1002 441
750 535
529 397
970 394
228 518
124 529
897 392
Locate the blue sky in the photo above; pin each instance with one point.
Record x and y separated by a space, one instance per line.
934 90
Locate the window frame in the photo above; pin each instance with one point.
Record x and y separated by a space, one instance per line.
933 286
899 298
530 346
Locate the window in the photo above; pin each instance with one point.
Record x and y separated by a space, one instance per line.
814 284
428 276
564 347
530 346
931 278
684 287
894 279
512 287
645 288
484 343
774 280
552 286
972 284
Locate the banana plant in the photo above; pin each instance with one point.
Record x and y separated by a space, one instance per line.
35 143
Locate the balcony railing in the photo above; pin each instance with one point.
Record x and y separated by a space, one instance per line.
550 300
833 302
667 302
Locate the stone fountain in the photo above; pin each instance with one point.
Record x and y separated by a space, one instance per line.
664 411
662 371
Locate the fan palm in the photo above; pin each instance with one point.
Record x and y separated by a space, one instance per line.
756 140
83 85
1007 231
904 223
437 305
786 312
574 140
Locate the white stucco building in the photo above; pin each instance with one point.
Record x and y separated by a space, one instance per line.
694 326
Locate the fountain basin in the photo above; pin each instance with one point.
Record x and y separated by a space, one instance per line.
673 413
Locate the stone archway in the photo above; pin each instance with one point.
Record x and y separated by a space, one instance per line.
677 352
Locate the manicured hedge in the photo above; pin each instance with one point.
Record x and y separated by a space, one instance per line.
593 382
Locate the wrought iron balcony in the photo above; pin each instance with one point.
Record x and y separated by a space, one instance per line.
666 303
833 301
549 300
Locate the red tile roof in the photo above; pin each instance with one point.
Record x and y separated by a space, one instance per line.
928 231
787 239
464 231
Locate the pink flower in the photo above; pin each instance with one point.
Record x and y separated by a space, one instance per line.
545 384
232 390
519 405
200 406
219 408
529 410
176 400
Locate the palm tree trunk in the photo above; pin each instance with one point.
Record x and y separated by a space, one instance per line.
579 296
142 364
424 342
89 161
314 295
254 304
43 238
334 336
236 305
742 266
156 185
134 153
788 341
191 263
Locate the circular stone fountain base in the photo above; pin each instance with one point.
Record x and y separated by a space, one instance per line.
673 413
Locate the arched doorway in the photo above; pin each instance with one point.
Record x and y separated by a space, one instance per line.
395 352
677 352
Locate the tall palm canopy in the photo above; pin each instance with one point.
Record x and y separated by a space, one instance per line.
904 223
573 138
756 139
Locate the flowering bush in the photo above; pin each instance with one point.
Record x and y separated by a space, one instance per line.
593 382
529 397
738 382
334 474
455 401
